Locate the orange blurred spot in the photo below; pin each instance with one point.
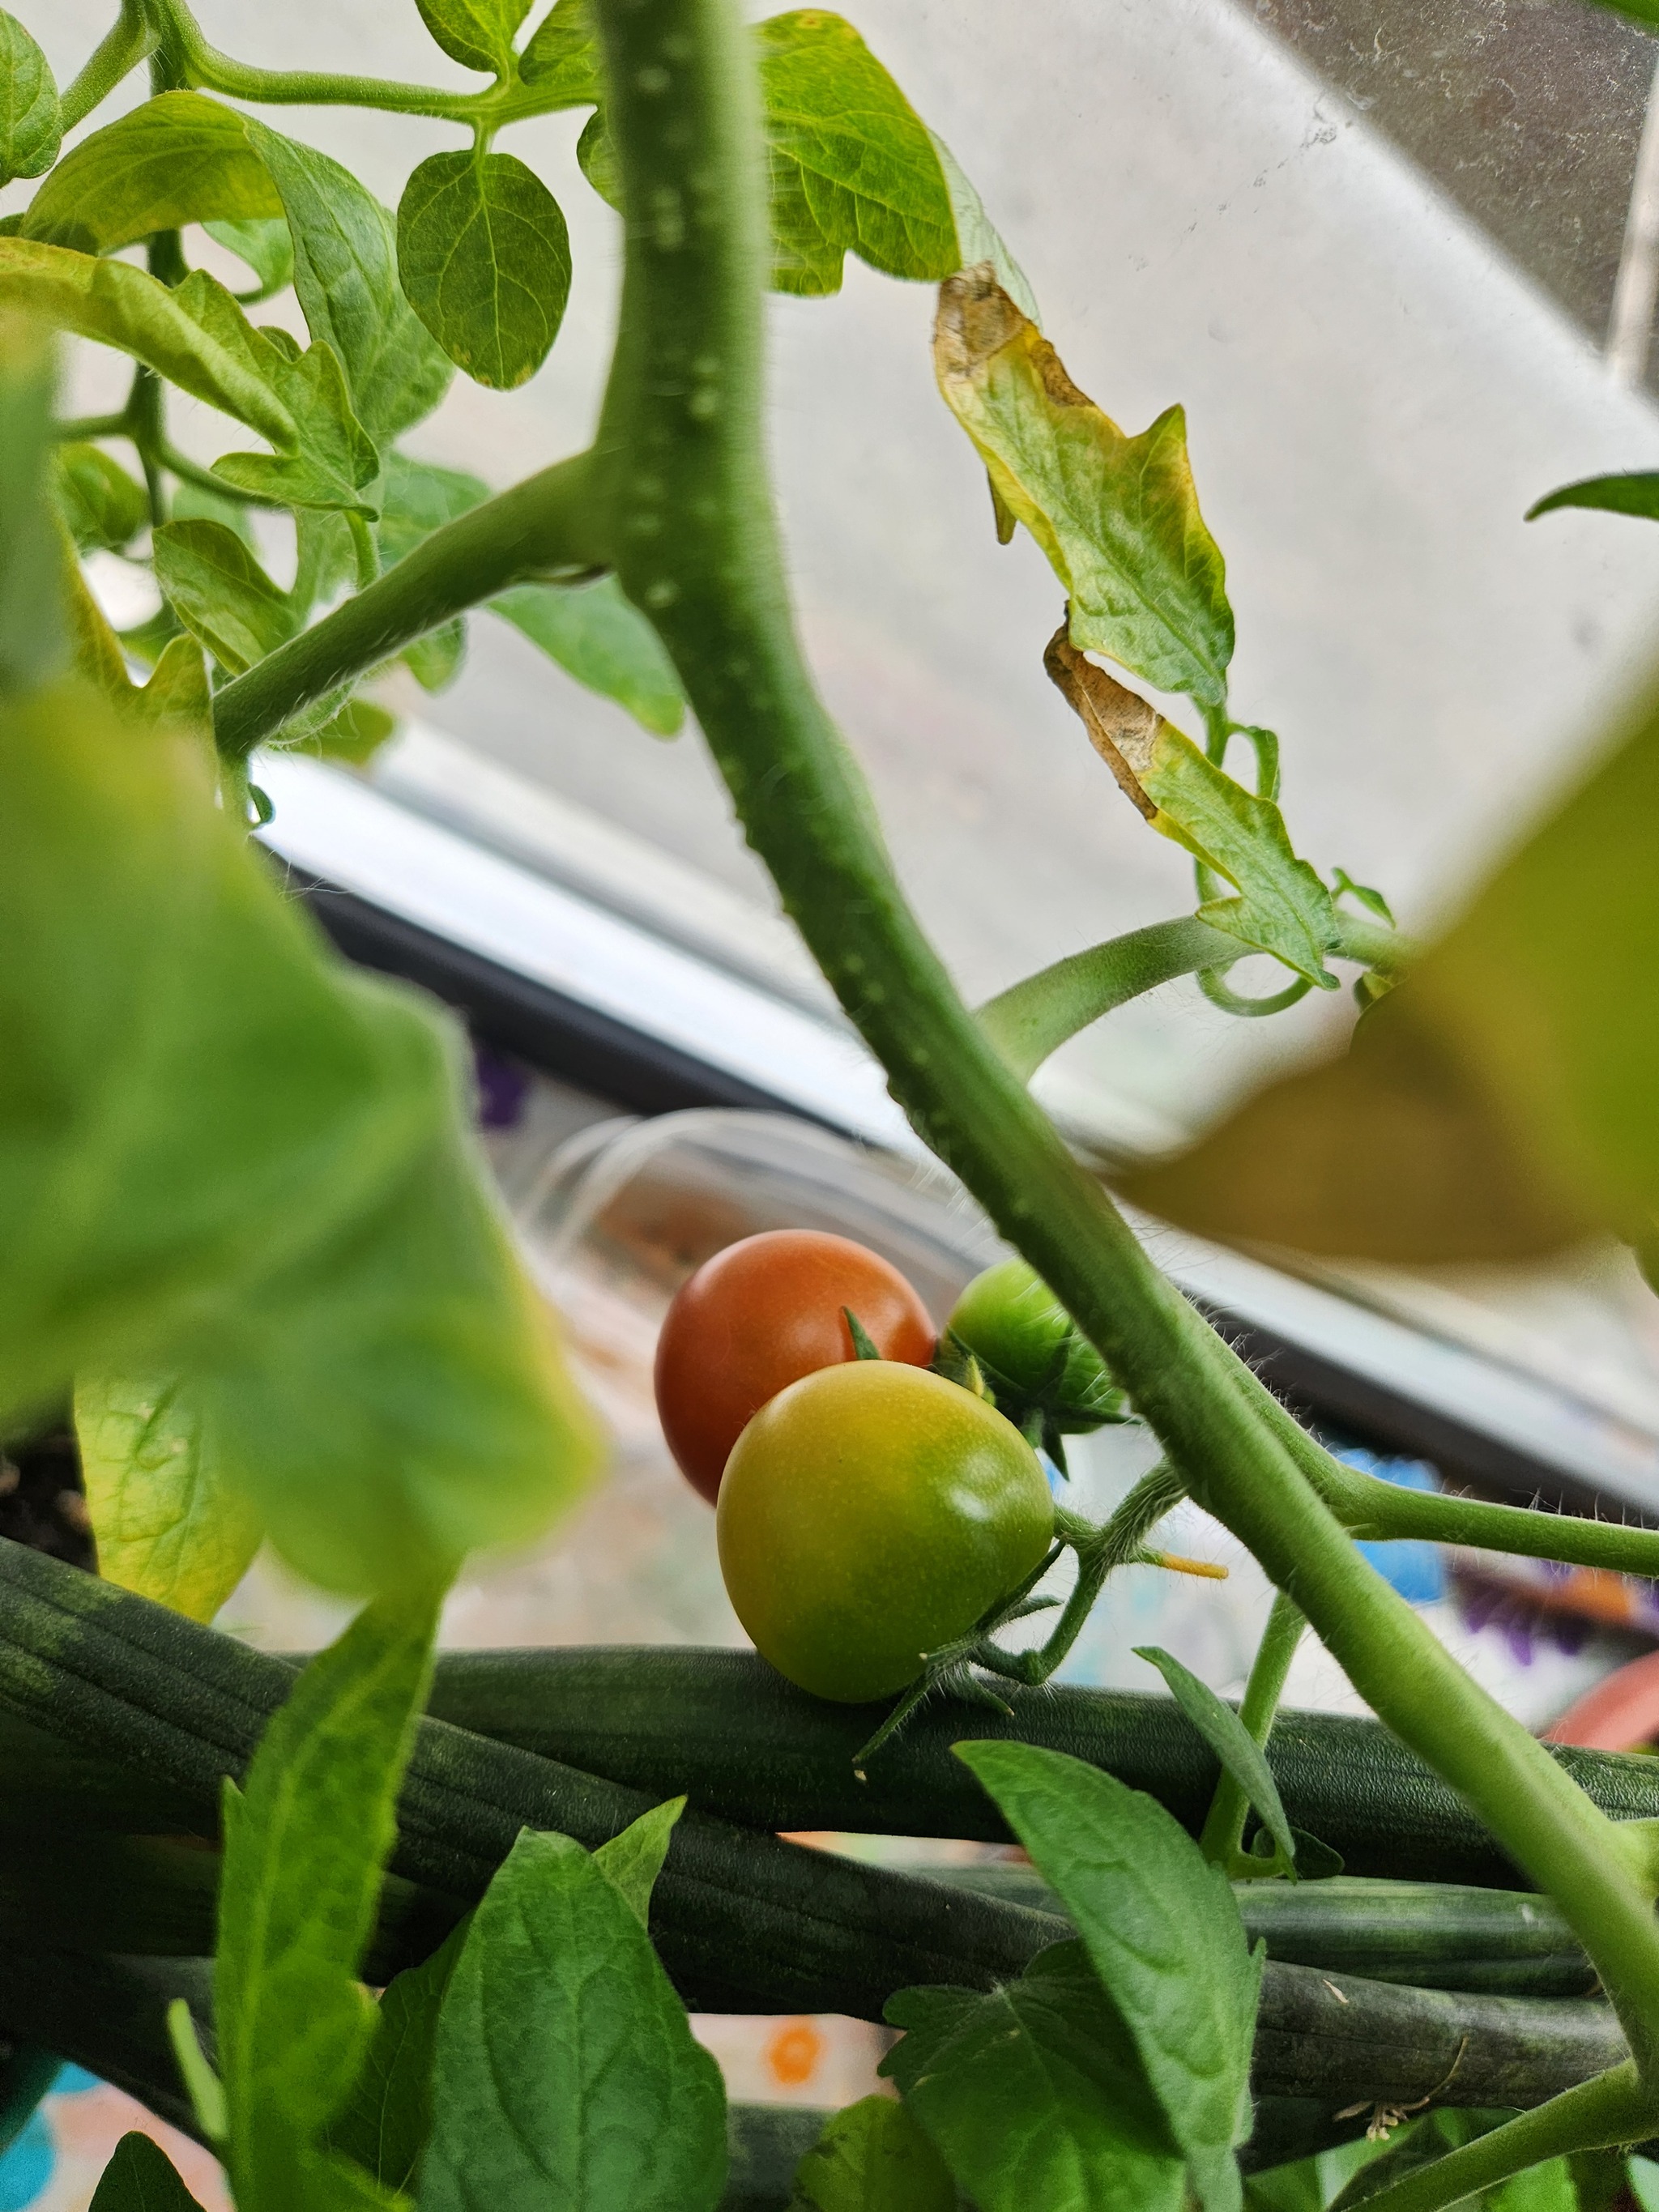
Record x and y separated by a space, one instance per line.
793 2055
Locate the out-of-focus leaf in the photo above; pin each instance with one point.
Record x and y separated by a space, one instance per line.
1240 1754
95 652
560 59
100 502
29 122
977 238
874 2157
1284 909
435 660
266 243
167 1523
35 640
1161 1931
1117 517
1635 492
388 2116
853 168
597 158
419 498
198 502
178 690
177 159
305 1842
1035 2094
633 1859
597 633
141 2177
1498 1103
354 734
220 593
484 258
567 2073
345 272
478 33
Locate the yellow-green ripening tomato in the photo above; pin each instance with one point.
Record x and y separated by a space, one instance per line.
871 1513
1030 1351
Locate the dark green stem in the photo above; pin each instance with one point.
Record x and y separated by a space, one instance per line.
1222 1839
542 527
128 41
695 545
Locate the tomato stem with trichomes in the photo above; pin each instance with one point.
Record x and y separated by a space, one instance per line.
1222 1838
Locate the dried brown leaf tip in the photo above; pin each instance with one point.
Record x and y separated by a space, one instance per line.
1123 727
976 318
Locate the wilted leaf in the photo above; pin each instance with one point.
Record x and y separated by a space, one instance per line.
484 258
596 633
1285 909
1498 1103
177 159
220 593
101 503
478 33
874 2158
166 1523
1635 492
1117 517
29 131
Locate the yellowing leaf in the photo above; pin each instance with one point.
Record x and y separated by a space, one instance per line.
1285 909
1500 1102
1117 517
166 1524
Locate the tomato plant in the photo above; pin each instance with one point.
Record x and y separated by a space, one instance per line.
759 1316
871 1513
246 1234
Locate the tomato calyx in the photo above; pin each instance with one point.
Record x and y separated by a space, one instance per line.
1045 1416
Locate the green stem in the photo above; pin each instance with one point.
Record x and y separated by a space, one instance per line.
129 40
80 427
541 527
144 411
1612 2109
695 545
1222 1836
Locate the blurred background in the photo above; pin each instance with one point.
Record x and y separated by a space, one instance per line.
1398 261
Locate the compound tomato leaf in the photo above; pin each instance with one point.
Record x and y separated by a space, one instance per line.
478 33
1118 517
30 125
1497 1103
1034 2092
484 258
596 634
1286 908
345 272
1240 1754
385 2121
567 2072
853 168
220 593
1162 1932
306 1842
874 2157
103 506
141 2177
167 1523
633 1859
560 59
177 159
1636 492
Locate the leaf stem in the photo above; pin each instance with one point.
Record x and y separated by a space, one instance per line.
1612 2109
696 547
129 40
1222 1836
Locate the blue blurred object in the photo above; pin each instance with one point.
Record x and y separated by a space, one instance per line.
1417 1569
26 2166
74 2081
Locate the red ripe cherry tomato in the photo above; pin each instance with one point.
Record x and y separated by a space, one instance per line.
758 1316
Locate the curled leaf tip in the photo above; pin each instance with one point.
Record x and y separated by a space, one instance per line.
1123 728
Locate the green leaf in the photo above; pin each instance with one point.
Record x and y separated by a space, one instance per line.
1285 909
598 159
1117 517
220 593
177 690
561 60
29 121
100 502
435 660
1240 1754
484 258
305 1842
853 168
1635 492
633 1859
141 2177
567 2072
1343 884
35 638
419 498
178 159
388 2116
1035 2094
1497 1103
267 247
1162 1932
345 272
1643 2174
977 238
478 33
874 2158
355 734
596 634
167 1523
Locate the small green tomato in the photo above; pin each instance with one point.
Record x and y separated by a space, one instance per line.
1032 1356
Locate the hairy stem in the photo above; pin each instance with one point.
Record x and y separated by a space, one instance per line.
127 42
1222 1836
1612 2109
694 543
543 527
